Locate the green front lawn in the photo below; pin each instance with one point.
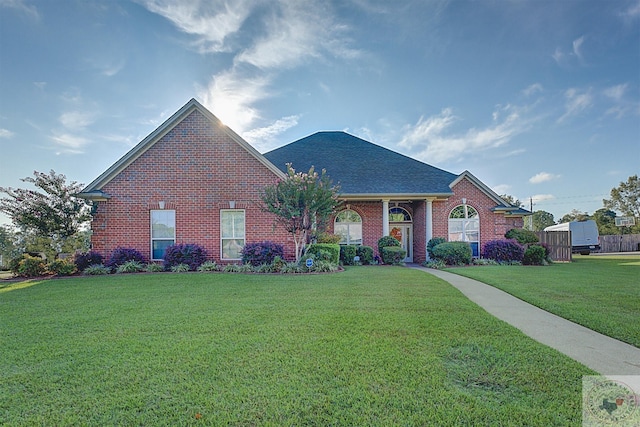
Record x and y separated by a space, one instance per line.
599 292
368 346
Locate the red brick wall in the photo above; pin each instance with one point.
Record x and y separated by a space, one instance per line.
492 225
196 169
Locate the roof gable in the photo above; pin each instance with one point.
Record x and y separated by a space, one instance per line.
361 167
93 190
501 204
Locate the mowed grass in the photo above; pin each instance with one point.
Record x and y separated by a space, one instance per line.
368 346
599 292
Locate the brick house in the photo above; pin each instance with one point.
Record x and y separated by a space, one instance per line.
194 180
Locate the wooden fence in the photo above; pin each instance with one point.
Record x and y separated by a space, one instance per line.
619 243
558 242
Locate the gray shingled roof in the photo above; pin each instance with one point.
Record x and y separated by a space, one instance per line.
361 167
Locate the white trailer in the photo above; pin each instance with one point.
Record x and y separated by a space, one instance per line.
584 235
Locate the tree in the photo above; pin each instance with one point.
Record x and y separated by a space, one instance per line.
606 220
574 215
541 219
625 198
8 245
512 200
53 211
301 202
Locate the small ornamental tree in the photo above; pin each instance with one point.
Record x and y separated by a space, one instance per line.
53 210
302 203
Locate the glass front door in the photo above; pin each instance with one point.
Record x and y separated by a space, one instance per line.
404 234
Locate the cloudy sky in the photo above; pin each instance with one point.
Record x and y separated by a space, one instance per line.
539 99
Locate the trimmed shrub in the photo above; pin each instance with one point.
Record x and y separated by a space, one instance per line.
393 254
96 270
453 253
329 238
524 237
121 255
385 242
84 260
347 254
261 253
366 254
317 250
30 266
535 255
433 243
131 267
184 253
62 267
503 250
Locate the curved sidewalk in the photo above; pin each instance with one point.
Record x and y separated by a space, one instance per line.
594 350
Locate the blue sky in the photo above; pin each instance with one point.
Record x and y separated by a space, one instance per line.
538 99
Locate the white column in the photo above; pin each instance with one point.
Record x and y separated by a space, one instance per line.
385 217
429 221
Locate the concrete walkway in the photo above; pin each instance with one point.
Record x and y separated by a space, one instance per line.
594 350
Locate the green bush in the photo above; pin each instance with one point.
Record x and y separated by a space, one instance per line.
453 253
152 267
208 266
31 266
96 270
347 254
433 243
61 267
436 264
131 266
329 238
366 254
316 248
385 242
524 237
535 255
180 268
393 254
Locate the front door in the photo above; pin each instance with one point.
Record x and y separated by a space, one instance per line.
404 234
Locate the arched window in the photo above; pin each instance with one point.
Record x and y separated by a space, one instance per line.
464 226
398 214
348 225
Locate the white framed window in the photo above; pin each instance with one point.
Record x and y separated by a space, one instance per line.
232 233
398 214
348 225
464 226
163 232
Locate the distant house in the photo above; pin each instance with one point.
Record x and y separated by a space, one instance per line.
194 180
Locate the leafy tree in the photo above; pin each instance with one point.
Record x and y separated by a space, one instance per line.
512 200
574 215
625 198
8 245
606 220
301 202
541 219
53 210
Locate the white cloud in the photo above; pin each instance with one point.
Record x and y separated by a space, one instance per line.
532 89
76 120
543 177
69 143
616 92
429 142
230 96
632 12
5 133
211 21
576 103
20 6
501 188
542 197
577 47
260 137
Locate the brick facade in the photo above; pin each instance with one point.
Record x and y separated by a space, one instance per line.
196 166
196 169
